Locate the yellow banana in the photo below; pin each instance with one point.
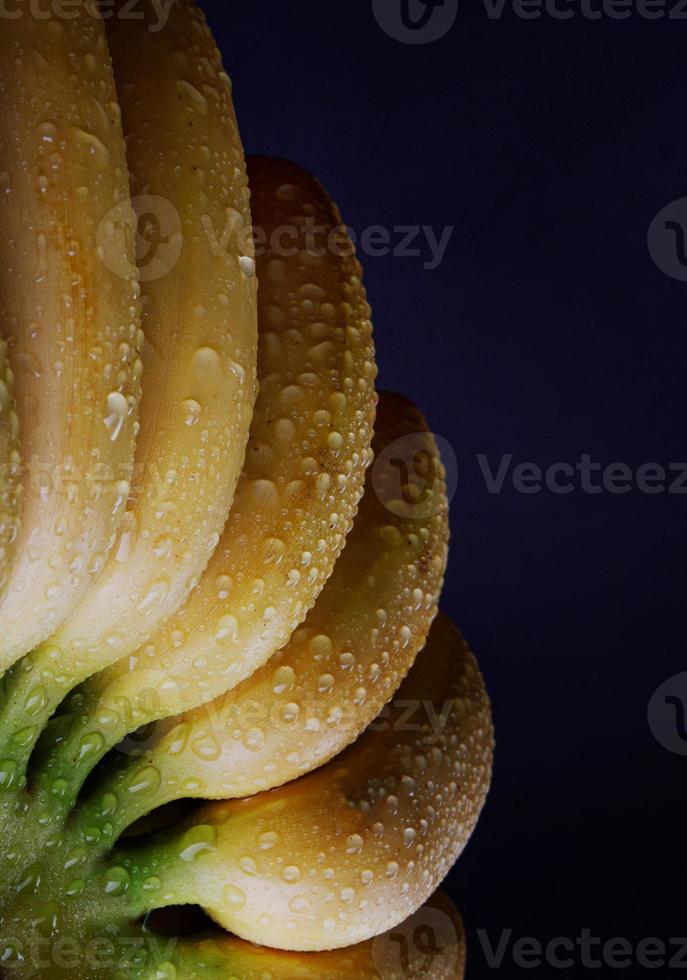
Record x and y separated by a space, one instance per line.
71 323
339 670
10 468
200 321
430 944
353 849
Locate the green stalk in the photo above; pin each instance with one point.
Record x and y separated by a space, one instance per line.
65 896
130 790
94 727
32 692
33 813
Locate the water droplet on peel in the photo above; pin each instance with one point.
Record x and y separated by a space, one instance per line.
166 971
178 739
154 596
109 804
320 646
195 97
247 265
60 789
299 904
117 881
233 897
206 747
192 411
326 684
145 781
91 745
95 147
268 840
36 701
254 739
197 842
206 362
283 680
392 804
117 409
8 773
227 627
30 880
248 866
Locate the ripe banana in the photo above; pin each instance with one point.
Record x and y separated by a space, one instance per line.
335 674
305 466
430 944
200 320
353 849
10 468
72 324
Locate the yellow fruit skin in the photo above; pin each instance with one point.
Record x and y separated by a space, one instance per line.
341 667
303 478
188 176
10 469
400 802
72 324
358 642
382 824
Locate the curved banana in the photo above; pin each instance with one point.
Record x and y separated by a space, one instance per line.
200 321
72 323
303 478
336 673
430 944
353 849
10 468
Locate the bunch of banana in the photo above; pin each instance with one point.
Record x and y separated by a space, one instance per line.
223 679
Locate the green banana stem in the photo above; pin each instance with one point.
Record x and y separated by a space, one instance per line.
32 692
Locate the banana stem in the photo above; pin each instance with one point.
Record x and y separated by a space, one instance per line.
91 732
32 692
131 790
165 872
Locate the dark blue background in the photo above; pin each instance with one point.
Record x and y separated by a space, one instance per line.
547 332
